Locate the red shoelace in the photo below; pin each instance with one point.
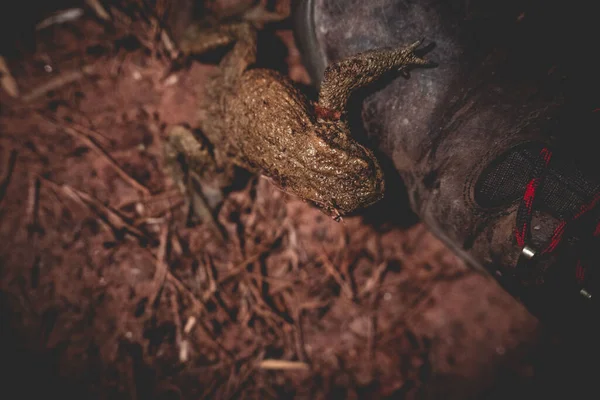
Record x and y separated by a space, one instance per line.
525 211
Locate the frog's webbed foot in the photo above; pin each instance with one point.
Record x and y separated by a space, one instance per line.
415 60
341 79
197 174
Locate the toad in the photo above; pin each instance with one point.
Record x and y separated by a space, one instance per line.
257 119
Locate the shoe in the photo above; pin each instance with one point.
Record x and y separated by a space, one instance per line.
493 145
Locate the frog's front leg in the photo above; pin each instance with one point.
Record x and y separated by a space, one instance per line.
197 173
342 78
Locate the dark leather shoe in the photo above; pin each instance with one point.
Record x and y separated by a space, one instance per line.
496 145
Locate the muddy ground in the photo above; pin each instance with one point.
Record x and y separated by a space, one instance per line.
107 290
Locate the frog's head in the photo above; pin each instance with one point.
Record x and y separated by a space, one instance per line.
357 185
339 177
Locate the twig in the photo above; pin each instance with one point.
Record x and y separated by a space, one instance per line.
5 181
283 365
197 308
162 275
98 9
299 326
7 80
374 280
331 270
114 220
243 377
273 279
299 335
60 17
184 350
120 17
176 245
92 133
235 271
181 342
162 196
94 146
169 44
33 207
130 378
371 336
189 324
264 309
110 217
158 218
212 284
160 271
239 268
158 25
55 83
197 305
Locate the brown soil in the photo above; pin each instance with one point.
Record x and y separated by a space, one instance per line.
107 292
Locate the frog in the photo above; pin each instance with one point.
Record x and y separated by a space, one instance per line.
257 119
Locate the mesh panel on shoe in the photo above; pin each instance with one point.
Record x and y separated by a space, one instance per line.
564 190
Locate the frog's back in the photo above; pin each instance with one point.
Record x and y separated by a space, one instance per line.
269 116
265 101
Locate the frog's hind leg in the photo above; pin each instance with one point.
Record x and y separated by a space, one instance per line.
196 173
199 38
242 55
242 33
342 78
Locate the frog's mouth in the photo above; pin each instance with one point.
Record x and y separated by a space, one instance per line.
336 212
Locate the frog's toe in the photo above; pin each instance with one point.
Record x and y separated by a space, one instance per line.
415 45
336 215
415 51
332 210
422 61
